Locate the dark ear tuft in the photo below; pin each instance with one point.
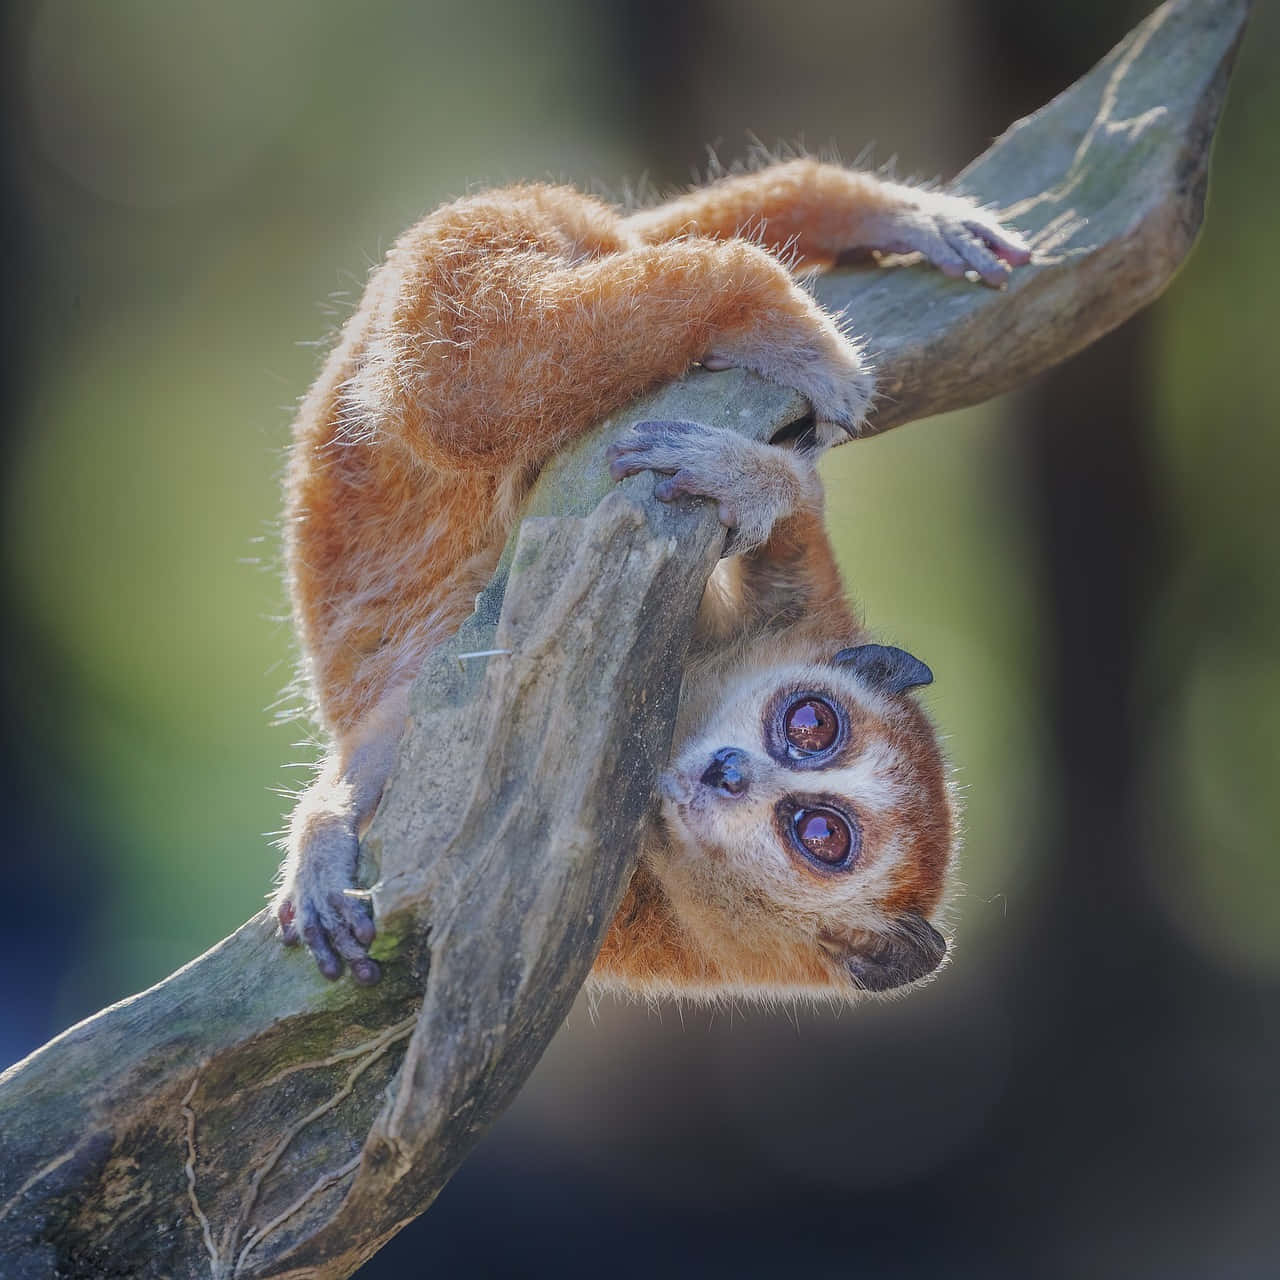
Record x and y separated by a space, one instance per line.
907 950
884 667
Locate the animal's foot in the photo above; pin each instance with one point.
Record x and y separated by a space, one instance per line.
319 905
753 485
955 233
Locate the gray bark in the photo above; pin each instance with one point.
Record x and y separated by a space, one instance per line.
246 1118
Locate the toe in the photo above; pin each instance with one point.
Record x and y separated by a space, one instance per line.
1006 243
623 466
348 930
288 927
675 486
942 253
991 269
313 934
363 930
648 446
351 913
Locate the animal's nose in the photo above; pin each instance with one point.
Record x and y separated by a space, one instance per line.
727 771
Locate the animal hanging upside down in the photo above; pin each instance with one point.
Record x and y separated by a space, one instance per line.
807 824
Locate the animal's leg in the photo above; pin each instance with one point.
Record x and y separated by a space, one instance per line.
822 212
571 344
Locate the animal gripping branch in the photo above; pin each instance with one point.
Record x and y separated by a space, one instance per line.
244 1118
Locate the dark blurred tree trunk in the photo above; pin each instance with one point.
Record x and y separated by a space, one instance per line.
1083 433
660 50
1105 983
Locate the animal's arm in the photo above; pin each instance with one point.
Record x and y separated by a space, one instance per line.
821 212
789 583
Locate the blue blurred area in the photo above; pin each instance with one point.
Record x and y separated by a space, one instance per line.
193 196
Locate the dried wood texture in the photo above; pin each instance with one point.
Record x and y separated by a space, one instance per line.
245 1118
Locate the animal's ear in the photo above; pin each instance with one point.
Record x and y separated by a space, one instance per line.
884 667
905 950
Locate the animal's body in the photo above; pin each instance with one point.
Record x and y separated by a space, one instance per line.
500 327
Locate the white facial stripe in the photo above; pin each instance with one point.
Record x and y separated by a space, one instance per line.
865 780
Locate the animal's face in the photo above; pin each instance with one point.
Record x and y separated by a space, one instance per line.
818 793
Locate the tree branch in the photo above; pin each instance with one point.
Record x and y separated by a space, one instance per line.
245 1118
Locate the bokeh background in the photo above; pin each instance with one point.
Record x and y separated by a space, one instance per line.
193 195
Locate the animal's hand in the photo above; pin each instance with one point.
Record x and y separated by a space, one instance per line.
955 233
753 485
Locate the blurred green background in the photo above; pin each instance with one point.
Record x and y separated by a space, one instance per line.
194 195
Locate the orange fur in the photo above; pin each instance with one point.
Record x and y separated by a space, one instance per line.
498 328
813 211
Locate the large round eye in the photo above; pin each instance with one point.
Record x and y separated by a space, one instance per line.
823 834
811 726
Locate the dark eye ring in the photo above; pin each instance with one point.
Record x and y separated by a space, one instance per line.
810 726
824 835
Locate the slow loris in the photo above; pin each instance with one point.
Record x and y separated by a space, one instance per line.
807 826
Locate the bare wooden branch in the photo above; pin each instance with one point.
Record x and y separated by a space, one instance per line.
245 1118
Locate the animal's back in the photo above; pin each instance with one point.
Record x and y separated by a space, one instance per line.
388 538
